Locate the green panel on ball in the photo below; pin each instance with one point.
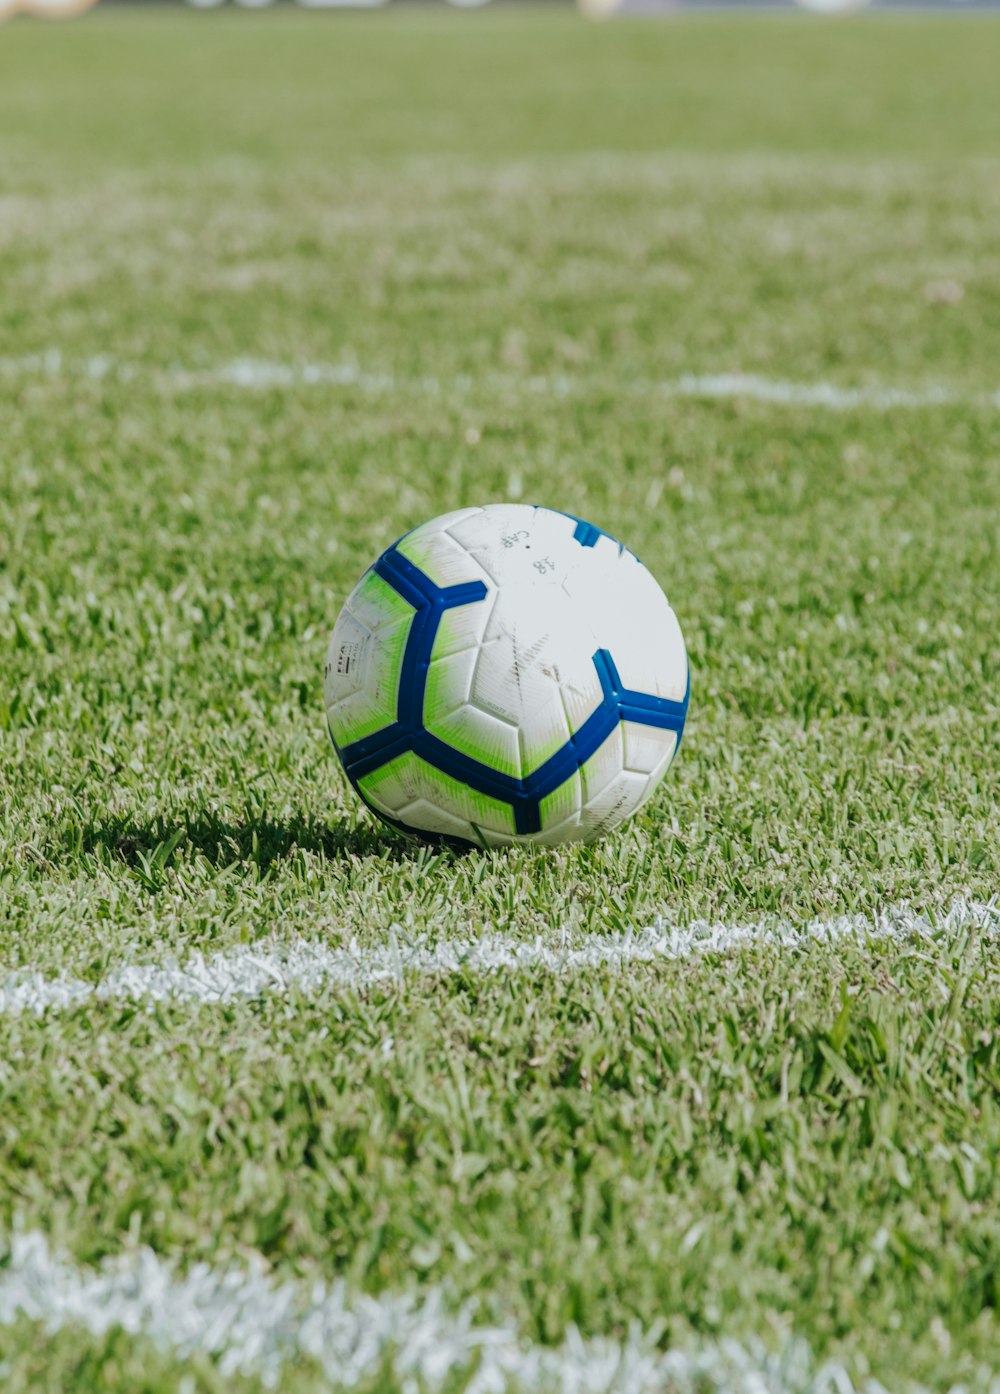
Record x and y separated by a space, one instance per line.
388 617
439 557
377 605
561 804
407 780
472 732
459 629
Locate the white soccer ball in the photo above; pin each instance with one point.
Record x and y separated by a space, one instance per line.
506 674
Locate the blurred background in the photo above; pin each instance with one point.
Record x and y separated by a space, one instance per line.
597 9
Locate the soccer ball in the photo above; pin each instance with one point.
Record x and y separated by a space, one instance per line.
506 674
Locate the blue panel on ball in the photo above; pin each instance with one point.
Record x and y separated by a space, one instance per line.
587 534
407 732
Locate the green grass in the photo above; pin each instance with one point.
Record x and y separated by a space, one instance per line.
749 1146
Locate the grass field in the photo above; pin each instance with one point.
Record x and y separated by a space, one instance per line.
273 289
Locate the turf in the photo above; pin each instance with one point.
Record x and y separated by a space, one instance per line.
507 228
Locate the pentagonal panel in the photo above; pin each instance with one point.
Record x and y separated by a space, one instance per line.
656 775
616 801
515 543
374 706
489 837
443 560
408 780
347 658
647 747
561 834
428 818
449 682
364 661
535 671
603 766
463 626
482 737
392 787
559 809
631 618
444 521
453 718
376 605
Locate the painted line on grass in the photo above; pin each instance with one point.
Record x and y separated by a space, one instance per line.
308 967
256 374
256 1326
818 394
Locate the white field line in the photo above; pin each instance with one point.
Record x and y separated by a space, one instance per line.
260 373
253 1325
307 967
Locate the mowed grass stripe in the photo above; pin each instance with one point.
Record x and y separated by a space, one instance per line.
267 374
249 1325
310 966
